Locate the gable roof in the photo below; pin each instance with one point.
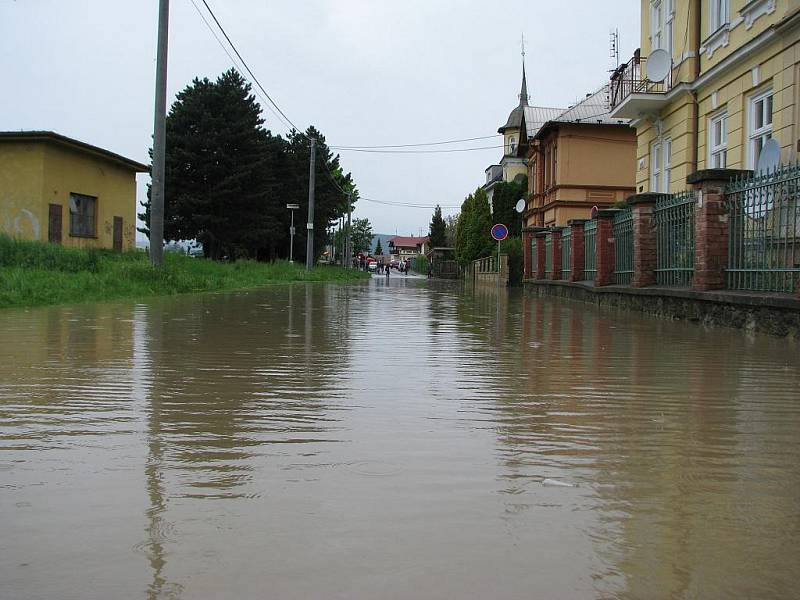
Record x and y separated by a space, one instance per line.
408 241
594 109
55 138
537 116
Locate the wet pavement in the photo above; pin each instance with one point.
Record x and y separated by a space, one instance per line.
407 439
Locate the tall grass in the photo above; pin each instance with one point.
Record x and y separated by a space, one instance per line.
37 273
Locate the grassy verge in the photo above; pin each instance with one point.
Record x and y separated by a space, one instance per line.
37 273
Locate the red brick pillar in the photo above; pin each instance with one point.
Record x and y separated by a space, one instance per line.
605 247
555 237
577 255
710 227
644 239
526 254
541 255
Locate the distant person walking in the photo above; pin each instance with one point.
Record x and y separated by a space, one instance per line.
387 272
430 269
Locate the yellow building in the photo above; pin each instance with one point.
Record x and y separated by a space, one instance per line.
723 80
58 189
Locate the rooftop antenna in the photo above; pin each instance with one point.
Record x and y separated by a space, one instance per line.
613 51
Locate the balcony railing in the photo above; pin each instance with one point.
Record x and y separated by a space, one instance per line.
631 78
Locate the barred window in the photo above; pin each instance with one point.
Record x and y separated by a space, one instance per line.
82 215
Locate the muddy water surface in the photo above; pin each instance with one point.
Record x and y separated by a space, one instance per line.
406 440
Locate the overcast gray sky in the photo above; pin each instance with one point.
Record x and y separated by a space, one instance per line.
365 72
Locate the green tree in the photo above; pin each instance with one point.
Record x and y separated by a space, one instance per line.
362 235
451 222
379 248
331 187
461 237
438 230
221 169
473 230
228 179
504 204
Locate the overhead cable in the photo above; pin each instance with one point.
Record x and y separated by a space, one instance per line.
244 63
446 151
447 142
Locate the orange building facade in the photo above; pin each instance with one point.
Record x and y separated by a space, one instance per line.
579 160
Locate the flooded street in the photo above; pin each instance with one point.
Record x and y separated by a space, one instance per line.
408 440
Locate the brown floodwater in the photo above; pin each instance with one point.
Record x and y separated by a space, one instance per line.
409 440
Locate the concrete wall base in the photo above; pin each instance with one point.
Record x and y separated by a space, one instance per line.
773 314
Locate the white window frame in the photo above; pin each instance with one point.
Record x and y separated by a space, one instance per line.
758 136
512 145
719 14
718 150
655 167
660 165
661 19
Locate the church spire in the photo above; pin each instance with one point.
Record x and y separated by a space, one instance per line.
523 94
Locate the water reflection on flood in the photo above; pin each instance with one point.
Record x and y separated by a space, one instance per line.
402 440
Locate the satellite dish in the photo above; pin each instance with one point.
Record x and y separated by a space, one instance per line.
520 205
658 64
769 158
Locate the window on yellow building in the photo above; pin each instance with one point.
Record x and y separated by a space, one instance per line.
661 17
655 167
719 13
760 125
718 141
660 166
82 215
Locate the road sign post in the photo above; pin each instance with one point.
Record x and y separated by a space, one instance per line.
499 233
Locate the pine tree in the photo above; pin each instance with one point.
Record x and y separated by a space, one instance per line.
228 179
329 200
379 248
438 230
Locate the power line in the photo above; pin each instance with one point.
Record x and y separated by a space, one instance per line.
244 63
485 137
406 204
234 62
447 151
281 114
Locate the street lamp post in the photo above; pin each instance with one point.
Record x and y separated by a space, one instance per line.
292 208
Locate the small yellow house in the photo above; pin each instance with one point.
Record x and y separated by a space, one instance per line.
54 188
724 78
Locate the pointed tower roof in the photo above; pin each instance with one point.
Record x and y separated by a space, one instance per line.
515 118
523 94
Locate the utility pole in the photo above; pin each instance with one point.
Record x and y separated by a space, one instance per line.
159 140
310 223
348 243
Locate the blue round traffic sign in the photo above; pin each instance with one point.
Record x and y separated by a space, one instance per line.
499 232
